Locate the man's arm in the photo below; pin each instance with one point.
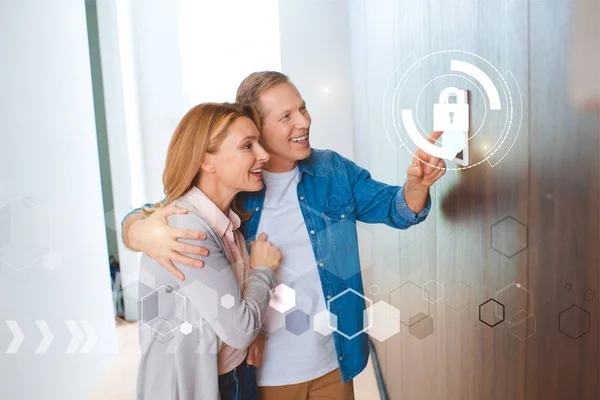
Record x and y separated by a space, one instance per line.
128 221
377 202
152 235
237 325
397 206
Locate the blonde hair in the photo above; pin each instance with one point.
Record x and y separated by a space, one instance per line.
200 131
257 82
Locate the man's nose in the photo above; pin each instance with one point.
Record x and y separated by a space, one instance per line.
302 122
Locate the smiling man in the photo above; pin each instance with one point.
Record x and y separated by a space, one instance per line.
318 241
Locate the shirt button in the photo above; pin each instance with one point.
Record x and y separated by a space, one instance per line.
343 216
341 358
328 296
312 232
257 208
321 264
301 197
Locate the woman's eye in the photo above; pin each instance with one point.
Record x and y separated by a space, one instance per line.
303 108
248 146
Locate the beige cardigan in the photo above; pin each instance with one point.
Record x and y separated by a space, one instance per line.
174 365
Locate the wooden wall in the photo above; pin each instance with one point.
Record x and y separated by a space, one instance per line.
542 198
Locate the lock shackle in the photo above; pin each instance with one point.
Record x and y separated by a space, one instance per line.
447 92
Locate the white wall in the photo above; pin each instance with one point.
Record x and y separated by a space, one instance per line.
315 54
49 155
160 58
188 52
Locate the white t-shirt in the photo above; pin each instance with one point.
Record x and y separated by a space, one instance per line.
288 358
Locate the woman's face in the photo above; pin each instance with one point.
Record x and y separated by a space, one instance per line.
239 160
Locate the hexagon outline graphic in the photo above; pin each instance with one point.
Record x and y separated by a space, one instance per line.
567 309
426 299
484 303
334 202
371 290
589 298
41 257
241 310
442 290
468 297
518 222
510 324
253 277
519 286
172 291
365 328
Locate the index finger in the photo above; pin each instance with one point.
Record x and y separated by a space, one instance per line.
262 237
434 136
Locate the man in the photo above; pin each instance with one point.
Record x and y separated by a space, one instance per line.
309 208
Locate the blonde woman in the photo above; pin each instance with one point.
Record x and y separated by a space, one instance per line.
214 154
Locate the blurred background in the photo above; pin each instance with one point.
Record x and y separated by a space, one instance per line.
497 289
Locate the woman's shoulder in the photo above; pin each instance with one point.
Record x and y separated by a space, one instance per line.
191 220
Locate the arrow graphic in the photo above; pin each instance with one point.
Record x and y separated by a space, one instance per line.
77 337
17 337
47 337
92 337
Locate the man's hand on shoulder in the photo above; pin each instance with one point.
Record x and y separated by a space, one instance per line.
156 238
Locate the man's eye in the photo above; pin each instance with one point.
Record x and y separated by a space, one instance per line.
286 116
303 108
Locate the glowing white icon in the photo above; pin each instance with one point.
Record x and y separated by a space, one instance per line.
451 115
452 111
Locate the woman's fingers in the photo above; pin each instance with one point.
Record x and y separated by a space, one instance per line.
262 237
251 355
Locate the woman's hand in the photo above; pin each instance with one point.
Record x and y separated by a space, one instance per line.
154 237
264 253
255 351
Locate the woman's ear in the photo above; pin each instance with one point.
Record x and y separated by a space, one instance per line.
207 164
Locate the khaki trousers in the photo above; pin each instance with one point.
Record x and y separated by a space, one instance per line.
326 387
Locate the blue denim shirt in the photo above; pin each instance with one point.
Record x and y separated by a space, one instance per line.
334 193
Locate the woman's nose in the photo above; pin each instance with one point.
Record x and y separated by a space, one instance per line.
263 155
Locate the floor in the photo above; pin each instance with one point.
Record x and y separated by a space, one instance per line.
119 381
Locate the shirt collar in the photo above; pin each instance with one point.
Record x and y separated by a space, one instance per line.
220 222
306 165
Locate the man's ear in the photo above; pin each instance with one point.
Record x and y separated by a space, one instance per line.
207 164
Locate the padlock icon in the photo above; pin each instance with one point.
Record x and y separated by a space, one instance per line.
452 111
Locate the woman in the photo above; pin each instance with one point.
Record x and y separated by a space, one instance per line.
194 334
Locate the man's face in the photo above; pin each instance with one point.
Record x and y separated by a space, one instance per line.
286 125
